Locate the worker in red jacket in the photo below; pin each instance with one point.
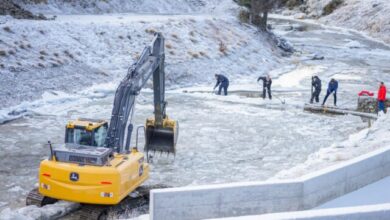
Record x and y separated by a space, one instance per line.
381 97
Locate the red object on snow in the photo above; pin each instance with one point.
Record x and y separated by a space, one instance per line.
382 93
366 93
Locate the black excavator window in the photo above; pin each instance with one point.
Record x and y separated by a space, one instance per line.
83 137
79 136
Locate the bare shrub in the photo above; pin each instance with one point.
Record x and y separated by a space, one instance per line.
193 54
204 54
243 16
331 6
150 31
222 48
67 53
169 46
193 40
175 36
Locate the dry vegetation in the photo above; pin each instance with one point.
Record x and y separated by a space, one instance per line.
222 48
331 6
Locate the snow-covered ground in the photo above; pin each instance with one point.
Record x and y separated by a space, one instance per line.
121 6
369 16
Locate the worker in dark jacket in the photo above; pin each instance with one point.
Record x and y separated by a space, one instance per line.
267 82
332 88
316 84
382 97
222 82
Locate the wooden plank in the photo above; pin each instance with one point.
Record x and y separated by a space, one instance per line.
337 111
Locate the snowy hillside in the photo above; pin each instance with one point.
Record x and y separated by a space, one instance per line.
122 6
86 49
370 16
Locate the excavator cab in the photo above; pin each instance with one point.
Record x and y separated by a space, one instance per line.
161 138
88 132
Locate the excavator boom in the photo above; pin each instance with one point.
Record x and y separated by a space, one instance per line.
160 130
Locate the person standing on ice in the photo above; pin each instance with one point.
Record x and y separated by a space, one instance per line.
222 82
381 97
267 82
316 84
332 88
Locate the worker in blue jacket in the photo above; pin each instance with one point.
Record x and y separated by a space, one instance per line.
316 84
332 88
222 82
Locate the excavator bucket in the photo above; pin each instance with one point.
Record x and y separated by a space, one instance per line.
161 138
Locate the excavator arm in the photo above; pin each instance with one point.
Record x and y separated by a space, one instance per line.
150 63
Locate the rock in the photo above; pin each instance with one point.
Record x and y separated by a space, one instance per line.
287 13
282 43
300 16
317 57
299 27
369 104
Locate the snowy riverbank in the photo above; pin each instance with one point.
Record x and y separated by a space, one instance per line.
75 52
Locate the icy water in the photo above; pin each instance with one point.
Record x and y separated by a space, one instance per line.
222 139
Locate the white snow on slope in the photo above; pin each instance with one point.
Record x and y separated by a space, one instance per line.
101 48
125 6
370 16
359 143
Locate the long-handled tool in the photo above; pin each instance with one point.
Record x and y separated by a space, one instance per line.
282 101
312 90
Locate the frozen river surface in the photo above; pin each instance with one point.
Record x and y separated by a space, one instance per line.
221 139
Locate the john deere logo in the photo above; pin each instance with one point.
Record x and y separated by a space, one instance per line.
74 176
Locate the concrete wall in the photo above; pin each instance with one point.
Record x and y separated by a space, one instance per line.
375 212
215 201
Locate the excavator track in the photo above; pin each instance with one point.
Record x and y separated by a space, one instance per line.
37 199
93 212
138 199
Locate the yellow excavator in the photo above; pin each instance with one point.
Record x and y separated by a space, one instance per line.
95 166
